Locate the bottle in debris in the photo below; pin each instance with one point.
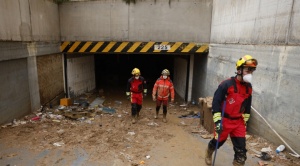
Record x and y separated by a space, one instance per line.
280 149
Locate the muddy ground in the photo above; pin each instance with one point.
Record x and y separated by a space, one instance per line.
109 139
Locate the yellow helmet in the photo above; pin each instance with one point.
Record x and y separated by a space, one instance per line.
136 71
165 72
246 61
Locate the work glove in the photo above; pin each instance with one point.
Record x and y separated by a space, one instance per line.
128 95
154 98
218 127
217 117
246 118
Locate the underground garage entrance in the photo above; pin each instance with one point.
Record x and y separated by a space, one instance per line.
108 65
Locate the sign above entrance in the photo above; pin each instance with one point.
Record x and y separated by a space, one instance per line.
132 47
162 47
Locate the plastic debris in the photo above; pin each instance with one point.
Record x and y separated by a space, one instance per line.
261 163
280 149
108 110
97 102
61 131
265 156
88 121
61 107
6 125
131 133
36 118
152 124
268 149
58 144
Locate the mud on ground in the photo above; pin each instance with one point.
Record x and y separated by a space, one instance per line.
111 139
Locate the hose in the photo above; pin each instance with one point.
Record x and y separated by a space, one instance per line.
295 154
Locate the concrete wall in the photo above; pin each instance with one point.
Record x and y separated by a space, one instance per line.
180 76
269 31
29 20
14 96
29 28
81 75
199 78
148 20
256 22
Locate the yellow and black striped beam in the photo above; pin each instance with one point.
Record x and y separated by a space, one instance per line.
132 47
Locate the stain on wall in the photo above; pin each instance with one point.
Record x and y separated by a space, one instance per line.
50 77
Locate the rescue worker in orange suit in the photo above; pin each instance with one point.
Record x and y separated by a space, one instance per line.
136 86
162 90
237 94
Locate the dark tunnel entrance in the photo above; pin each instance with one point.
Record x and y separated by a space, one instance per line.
110 65
110 72
113 70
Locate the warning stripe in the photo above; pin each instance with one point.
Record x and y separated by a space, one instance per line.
132 47
85 46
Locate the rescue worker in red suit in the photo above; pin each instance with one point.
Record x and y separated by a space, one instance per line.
136 86
237 92
162 90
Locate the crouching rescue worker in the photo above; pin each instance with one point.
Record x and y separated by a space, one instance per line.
136 86
235 94
162 90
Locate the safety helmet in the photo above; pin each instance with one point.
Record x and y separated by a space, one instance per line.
165 72
136 71
246 61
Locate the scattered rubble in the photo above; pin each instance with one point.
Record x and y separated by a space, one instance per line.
107 125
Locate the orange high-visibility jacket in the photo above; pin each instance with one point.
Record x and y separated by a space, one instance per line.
163 88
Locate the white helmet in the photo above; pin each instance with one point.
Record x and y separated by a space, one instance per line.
165 72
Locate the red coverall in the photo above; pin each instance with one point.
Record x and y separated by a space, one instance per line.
136 87
238 96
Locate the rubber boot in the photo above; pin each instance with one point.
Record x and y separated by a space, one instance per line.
239 157
156 115
139 107
157 110
133 120
235 163
208 155
164 118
